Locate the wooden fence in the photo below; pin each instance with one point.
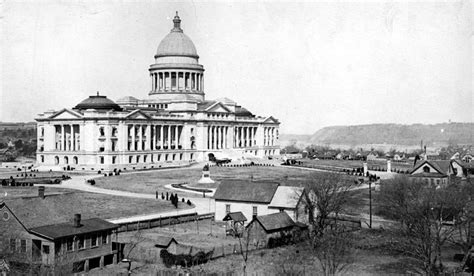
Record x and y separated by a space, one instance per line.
161 221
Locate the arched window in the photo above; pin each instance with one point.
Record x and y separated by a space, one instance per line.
66 160
426 169
56 160
75 160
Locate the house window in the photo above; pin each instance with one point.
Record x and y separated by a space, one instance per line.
101 131
130 159
81 243
227 209
104 238
46 249
23 246
42 158
254 211
426 169
93 240
114 159
12 245
101 159
69 243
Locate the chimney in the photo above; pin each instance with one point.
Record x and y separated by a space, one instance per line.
77 220
41 192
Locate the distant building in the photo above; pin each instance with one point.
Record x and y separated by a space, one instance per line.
33 235
259 198
174 124
372 156
438 172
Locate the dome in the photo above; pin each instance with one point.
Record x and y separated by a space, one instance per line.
127 100
176 43
98 103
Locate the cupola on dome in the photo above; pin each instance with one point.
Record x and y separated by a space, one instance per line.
99 103
176 43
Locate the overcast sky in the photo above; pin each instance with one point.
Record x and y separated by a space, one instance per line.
310 64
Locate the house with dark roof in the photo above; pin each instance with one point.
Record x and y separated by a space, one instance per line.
255 198
436 172
433 172
35 237
276 225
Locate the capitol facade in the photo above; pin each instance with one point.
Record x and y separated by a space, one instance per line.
175 124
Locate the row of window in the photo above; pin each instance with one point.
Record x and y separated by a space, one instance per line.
254 210
159 106
18 245
217 115
81 242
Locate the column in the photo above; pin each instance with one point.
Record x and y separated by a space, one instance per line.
194 79
62 138
169 137
162 138
250 136
149 140
176 137
202 82
71 138
133 138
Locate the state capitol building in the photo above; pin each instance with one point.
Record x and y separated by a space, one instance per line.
174 124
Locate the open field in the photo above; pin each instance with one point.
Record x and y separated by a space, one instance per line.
371 256
149 182
354 164
89 204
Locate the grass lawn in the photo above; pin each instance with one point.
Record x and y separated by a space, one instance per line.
370 257
149 182
91 204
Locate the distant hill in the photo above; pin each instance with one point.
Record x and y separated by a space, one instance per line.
396 134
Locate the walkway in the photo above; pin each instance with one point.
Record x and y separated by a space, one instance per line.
79 182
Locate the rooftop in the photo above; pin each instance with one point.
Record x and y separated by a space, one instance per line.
275 222
286 197
245 191
67 229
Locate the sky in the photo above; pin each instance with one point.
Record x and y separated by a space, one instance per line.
309 64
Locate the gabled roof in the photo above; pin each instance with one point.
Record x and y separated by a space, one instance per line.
137 113
217 107
275 222
244 191
204 105
66 113
67 229
286 197
163 241
270 120
441 166
235 216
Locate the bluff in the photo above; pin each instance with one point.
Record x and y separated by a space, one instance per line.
397 134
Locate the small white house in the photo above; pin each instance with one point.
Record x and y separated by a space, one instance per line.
259 198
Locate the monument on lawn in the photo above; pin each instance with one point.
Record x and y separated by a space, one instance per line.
206 176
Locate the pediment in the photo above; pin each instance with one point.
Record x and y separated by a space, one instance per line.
138 115
66 114
218 107
270 120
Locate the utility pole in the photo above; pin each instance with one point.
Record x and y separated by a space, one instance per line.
370 202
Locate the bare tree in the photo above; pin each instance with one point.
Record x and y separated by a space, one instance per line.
326 195
244 235
131 247
423 211
334 250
